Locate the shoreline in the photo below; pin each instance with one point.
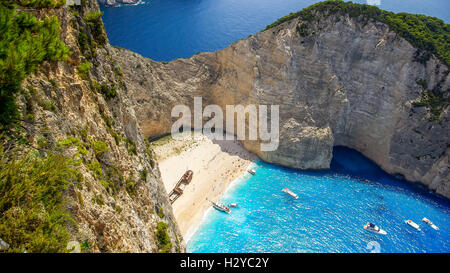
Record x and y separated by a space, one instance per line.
193 229
216 164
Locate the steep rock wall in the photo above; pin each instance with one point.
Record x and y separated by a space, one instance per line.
120 200
348 82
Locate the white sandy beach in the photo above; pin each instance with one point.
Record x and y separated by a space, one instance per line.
215 165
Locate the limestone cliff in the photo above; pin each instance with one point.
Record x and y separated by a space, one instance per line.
347 81
81 107
341 80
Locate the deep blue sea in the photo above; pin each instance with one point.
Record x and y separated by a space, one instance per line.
329 215
167 29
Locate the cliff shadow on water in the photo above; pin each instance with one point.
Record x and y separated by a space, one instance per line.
350 162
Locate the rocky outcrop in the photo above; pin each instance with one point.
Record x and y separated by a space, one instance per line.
349 82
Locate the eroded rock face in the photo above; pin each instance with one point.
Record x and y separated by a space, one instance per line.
347 83
118 203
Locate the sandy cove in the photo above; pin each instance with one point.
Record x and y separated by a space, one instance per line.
215 165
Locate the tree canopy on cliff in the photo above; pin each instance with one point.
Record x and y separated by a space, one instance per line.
25 42
36 3
429 34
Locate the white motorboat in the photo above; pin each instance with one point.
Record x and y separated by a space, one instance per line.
374 228
413 225
252 171
288 191
221 207
428 222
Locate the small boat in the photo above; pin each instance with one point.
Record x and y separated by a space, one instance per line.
180 186
374 228
412 224
221 207
233 205
427 221
288 191
252 171
187 177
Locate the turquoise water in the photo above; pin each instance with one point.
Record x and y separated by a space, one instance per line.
167 29
329 215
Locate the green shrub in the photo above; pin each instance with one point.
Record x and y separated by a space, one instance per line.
94 167
118 209
104 183
143 174
432 99
84 41
39 3
115 179
163 238
42 142
80 199
100 147
82 151
53 83
130 187
131 146
161 213
83 70
435 104
32 215
84 132
118 71
93 16
88 46
94 21
109 92
98 199
74 141
115 135
302 30
25 42
68 142
148 151
47 105
106 119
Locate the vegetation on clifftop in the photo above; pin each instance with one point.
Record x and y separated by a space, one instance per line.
429 34
36 3
32 214
25 42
